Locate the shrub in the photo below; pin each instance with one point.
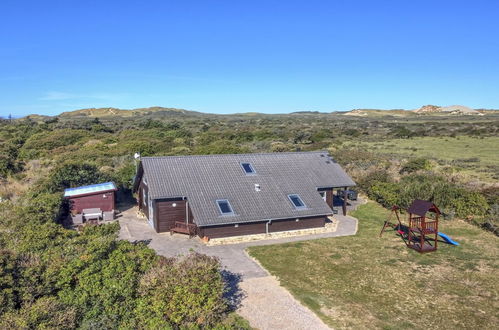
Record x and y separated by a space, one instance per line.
45 313
187 293
73 174
123 177
220 147
8 159
40 208
89 282
7 280
416 164
372 178
39 144
448 196
385 193
352 132
401 132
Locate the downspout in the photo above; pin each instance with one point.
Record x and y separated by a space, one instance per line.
186 211
269 222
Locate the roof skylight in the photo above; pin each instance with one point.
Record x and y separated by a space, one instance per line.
297 202
248 168
225 207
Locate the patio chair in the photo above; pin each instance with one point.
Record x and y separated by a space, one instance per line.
108 215
77 219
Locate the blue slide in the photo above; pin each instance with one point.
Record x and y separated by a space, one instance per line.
447 239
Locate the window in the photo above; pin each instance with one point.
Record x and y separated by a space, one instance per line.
224 207
323 195
248 168
144 197
297 202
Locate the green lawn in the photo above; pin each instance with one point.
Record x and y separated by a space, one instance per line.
364 281
471 154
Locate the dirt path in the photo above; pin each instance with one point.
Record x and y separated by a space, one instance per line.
268 305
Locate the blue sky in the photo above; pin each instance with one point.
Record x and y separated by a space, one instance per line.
241 56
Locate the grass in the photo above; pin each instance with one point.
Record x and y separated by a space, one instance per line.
475 156
364 281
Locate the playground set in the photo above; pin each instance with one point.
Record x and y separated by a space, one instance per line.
422 233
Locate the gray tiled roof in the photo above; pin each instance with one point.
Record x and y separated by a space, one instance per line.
204 179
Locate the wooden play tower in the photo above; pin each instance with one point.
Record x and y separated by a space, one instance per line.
422 231
423 226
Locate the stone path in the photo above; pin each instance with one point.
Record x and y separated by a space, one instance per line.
265 304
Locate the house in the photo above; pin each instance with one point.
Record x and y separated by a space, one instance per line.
230 195
101 196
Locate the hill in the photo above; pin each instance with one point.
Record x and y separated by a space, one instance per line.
427 110
378 113
114 112
162 112
452 110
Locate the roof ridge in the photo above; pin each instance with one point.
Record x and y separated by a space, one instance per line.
244 154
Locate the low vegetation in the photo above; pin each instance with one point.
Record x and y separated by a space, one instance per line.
365 281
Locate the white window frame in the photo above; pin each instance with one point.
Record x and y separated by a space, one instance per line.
323 195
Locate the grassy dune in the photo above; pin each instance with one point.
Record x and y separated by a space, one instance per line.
364 281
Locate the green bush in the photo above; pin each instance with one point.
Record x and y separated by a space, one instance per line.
39 144
73 174
8 159
44 313
91 284
7 281
220 147
41 207
123 177
187 293
367 181
416 164
385 193
449 197
401 132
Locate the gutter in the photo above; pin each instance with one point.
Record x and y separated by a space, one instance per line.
268 220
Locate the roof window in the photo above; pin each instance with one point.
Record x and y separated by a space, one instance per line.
297 202
224 207
248 168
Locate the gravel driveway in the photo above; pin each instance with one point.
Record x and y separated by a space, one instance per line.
264 303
